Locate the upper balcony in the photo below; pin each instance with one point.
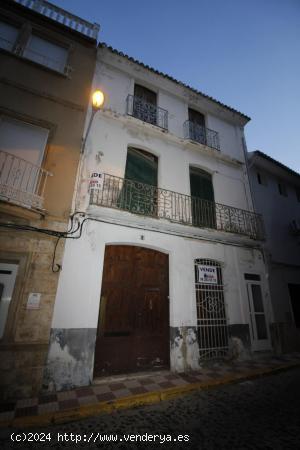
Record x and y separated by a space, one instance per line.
22 182
148 200
147 112
201 134
62 16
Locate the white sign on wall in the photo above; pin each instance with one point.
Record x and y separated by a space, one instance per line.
96 180
207 274
33 301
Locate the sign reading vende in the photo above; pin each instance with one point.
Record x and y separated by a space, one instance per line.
96 180
207 274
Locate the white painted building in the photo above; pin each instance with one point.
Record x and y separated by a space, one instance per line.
169 268
276 194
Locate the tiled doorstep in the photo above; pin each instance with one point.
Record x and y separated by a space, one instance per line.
112 390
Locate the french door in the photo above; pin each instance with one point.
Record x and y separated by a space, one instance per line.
259 330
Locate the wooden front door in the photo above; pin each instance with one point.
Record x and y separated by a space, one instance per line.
133 325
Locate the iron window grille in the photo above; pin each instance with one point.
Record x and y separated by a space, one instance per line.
212 328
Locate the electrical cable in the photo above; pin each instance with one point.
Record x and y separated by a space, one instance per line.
69 234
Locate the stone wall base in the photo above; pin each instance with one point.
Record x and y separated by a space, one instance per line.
184 349
22 372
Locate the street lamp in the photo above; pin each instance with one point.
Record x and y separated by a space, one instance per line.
97 100
97 104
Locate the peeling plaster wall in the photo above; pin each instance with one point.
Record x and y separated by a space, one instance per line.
70 359
184 349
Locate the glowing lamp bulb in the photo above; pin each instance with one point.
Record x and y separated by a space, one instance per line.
98 99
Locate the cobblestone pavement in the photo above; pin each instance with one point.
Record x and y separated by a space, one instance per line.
260 414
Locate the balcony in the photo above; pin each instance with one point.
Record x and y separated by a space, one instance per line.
147 112
62 16
21 182
200 134
147 200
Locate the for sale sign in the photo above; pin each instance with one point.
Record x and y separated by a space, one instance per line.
96 180
207 274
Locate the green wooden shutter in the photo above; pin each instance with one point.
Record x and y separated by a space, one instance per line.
202 192
201 184
139 192
141 166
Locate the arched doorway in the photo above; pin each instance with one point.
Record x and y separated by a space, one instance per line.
133 325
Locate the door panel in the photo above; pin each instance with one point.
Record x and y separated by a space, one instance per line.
202 192
8 274
197 131
294 290
258 325
133 326
144 104
139 195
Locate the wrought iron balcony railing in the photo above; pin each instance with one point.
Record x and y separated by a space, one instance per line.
147 200
201 134
21 182
139 108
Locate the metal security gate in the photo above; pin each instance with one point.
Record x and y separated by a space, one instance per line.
211 313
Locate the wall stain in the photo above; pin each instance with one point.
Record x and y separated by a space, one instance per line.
70 360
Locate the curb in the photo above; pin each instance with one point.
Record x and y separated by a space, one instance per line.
82 412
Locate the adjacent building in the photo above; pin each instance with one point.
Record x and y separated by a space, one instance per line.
47 60
169 269
276 193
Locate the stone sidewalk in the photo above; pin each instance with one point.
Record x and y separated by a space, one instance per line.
139 389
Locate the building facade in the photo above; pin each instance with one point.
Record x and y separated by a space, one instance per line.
276 193
169 269
47 60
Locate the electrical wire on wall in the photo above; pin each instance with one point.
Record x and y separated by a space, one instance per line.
76 227
55 233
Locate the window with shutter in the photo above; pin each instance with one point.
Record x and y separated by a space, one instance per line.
202 192
46 53
22 147
144 104
139 192
197 131
8 36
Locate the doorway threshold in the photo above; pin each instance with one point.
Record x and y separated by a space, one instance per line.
128 376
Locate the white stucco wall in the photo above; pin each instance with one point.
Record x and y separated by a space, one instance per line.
278 212
78 295
282 247
112 132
